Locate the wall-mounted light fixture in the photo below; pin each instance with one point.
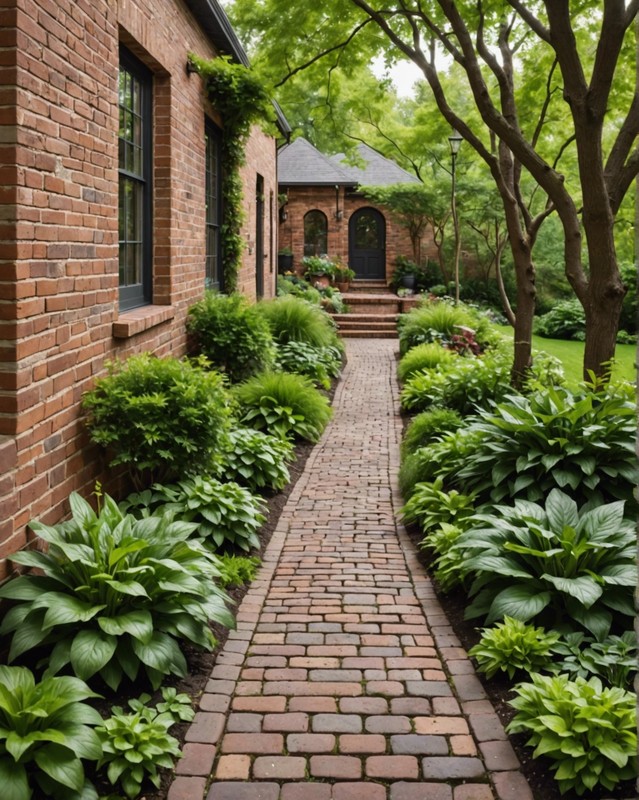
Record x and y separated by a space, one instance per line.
282 201
338 212
190 66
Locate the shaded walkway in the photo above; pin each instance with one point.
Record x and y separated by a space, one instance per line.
343 680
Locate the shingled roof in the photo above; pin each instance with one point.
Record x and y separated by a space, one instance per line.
301 164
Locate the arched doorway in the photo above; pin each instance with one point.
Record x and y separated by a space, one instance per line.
367 244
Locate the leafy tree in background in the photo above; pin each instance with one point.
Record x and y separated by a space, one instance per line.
541 77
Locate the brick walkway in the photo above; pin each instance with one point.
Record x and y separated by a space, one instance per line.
344 680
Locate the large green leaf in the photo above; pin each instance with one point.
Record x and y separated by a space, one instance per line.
28 635
138 624
62 765
132 588
63 609
13 780
90 651
82 740
584 588
81 511
523 602
561 511
160 653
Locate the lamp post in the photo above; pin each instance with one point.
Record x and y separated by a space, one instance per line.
455 140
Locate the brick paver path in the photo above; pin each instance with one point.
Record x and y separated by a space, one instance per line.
344 680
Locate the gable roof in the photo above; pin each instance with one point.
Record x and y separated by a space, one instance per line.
301 164
379 171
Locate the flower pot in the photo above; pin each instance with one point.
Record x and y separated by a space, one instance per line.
342 286
284 263
408 281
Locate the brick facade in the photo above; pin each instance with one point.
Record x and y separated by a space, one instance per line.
301 200
59 318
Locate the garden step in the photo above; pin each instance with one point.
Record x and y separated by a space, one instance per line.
379 287
367 333
363 318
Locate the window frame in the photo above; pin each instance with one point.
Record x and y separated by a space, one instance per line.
139 294
319 213
213 133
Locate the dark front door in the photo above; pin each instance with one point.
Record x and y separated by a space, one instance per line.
259 237
367 244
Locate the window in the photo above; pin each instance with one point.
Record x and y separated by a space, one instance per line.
135 166
315 233
213 196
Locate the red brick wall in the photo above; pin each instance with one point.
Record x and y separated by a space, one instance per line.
322 198
59 317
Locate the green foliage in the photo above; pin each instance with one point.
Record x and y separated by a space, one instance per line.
429 506
237 570
45 732
426 427
512 645
256 459
448 564
440 321
320 364
582 441
283 404
316 266
559 563
423 357
136 744
614 659
588 732
241 100
291 284
566 320
226 514
291 319
158 415
629 321
232 335
114 593
463 385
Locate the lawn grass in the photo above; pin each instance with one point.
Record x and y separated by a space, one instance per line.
571 355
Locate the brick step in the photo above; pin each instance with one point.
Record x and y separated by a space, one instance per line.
368 334
364 318
366 326
369 286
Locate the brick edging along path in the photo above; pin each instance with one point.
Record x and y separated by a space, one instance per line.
344 679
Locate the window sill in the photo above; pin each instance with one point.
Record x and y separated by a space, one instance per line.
138 320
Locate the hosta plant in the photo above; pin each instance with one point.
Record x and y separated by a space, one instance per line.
429 506
513 645
226 514
588 732
556 564
283 404
582 442
320 364
255 459
46 730
449 562
114 594
614 659
137 743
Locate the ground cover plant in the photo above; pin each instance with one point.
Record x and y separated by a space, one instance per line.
255 459
232 334
422 357
427 427
226 514
320 364
115 595
292 319
448 324
161 417
284 404
512 646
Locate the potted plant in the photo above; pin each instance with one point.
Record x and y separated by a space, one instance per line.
318 270
343 277
285 260
405 274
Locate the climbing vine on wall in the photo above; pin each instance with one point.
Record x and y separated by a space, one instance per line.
241 100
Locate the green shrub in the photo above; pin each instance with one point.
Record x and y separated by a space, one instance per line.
283 404
567 320
115 593
226 514
557 563
45 732
292 319
582 441
449 562
320 364
429 506
588 732
614 659
232 335
440 321
464 385
512 645
158 416
256 460
423 357
237 570
136 744
291 284
426 427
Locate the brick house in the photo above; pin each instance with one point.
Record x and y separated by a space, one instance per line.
109 219
322 210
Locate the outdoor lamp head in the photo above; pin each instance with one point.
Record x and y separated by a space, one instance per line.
455 140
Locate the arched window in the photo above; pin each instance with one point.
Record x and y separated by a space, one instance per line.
315 233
